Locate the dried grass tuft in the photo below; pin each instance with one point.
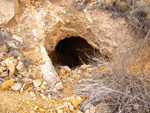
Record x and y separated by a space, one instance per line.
126 93
139 19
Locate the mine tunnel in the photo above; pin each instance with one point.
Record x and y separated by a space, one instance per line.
73 51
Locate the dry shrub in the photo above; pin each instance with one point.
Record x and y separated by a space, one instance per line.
139 19
4 37
15 48
118 86
137 12
12 45
126 93
119 7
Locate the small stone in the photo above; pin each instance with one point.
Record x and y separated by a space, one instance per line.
78 4
44 97
16 86
60 111
32 111
32 94
44 83
83 98
62 71
26 54
39 89
64 77
85 10
71 73
41 110
79 71
84 67
35 107
87 111
68 103
49 96
37 83
19 75
58 107
71 108
4 74
77 77
59 86
68 21
79 111
6 84
27 80
44 87
1 69
30 89
11 64
21 69
26 86
67 69
79 99
92 109
38 76
76 102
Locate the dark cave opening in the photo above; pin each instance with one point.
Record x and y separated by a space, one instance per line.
72 52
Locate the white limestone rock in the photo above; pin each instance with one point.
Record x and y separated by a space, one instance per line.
49 73
58 86
16 86
11 63
21 69
37 83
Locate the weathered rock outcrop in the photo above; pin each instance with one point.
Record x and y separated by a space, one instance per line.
6 10
44 24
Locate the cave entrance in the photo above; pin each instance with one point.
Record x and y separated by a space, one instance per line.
73 51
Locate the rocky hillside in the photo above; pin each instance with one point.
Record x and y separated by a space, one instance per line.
79 56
